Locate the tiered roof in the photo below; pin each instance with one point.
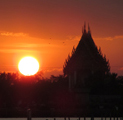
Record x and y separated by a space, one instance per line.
86 56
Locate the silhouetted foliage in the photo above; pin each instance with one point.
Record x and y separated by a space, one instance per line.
43 96
18 92
100 84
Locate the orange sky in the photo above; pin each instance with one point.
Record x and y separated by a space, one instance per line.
48 30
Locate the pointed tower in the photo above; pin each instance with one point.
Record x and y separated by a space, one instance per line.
84 27
89 32
85 60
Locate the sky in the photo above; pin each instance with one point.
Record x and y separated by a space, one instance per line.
48 30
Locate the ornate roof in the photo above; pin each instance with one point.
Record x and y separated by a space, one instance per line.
86 56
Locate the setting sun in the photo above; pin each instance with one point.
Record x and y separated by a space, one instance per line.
28 66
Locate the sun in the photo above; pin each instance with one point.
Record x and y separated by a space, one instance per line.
28 66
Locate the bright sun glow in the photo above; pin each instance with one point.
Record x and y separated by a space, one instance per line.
28 66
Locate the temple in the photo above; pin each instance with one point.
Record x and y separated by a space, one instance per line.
86 59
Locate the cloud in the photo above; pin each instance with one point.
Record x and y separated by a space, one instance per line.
16 50
121 69
110 38
119 37
27 45
20 45
52 69
74 38
12 34
77 38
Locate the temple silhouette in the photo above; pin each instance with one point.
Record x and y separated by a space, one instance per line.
90 79
86 59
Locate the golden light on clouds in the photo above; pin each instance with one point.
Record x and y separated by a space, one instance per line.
13 34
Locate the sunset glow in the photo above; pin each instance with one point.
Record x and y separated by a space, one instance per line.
48 30
28 66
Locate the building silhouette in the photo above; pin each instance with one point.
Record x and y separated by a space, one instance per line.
86 59
87 63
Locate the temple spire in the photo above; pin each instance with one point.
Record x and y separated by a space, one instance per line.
82 30
85 27
89 32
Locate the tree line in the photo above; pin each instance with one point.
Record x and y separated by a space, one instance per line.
18 92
